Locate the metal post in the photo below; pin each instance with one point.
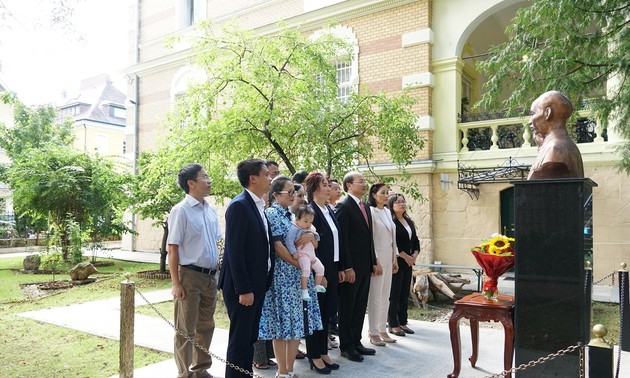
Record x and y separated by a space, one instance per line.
624 309
600 354
127 311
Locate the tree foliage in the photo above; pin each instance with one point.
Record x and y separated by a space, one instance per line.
51 181
62 185
34 127
49 14
276 96
581 48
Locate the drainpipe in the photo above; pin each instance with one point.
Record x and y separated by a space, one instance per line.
136 122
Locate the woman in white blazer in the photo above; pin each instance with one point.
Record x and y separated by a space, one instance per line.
384 234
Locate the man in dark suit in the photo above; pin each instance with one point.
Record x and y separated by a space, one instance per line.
359 261
247 264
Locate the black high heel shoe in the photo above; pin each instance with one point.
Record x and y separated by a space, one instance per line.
332 366
324 370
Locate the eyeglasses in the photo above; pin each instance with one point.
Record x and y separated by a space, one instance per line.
291 193
204 177
361 182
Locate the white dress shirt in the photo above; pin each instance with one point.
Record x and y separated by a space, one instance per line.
334 230
194 228
260 205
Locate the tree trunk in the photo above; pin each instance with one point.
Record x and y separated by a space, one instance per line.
425 281
163 251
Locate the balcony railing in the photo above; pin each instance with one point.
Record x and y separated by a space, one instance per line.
486 131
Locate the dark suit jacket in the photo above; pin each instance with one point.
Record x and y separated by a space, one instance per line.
247 249
404 243
326 248
357 248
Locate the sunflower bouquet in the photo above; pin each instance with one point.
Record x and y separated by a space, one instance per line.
495 256
499 245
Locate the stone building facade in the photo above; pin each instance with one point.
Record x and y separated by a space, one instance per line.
429 46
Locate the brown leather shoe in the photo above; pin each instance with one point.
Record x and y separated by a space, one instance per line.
376 340
407 330
385 337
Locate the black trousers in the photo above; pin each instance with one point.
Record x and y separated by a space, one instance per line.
317 343
399 295
353 299
244 322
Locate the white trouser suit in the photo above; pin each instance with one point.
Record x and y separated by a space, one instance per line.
384 233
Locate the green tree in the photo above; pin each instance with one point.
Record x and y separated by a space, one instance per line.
34 127
581 48
276 96
61 184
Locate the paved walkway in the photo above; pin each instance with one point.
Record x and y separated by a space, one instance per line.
424 354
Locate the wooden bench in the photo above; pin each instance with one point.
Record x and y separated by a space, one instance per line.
478 271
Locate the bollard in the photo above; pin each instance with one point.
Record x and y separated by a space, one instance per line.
624 309
127 311
600 354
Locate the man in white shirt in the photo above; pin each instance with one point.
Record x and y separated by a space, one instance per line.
193 258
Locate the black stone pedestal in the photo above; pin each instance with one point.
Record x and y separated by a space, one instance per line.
553 298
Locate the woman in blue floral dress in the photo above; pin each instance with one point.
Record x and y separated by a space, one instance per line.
282 317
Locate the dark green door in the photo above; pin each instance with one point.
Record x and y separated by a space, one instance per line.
507 212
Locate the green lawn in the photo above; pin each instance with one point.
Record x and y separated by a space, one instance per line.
30 348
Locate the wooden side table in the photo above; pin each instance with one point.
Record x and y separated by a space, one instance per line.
477 308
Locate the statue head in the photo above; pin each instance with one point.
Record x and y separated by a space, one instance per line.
549 111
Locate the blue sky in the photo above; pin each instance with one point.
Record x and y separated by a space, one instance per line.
41 64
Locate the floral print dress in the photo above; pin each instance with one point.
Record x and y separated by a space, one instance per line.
282 314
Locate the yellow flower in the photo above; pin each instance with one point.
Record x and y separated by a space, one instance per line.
499 244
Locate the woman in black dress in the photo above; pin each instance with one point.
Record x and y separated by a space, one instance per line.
408 248
318 193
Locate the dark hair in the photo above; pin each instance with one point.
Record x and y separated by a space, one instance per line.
277 185
271 162
299 177
348 179
188 172
249 167
312 183
390 203
373 189
304 210
333 180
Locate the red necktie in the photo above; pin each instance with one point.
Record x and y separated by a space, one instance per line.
362 207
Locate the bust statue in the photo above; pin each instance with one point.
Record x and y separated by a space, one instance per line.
558 156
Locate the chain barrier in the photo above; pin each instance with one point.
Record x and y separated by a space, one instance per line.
196 344
544 359
521 367
609 275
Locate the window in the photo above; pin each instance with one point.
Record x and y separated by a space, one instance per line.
102 144
190 12
117 112
344 81
347 71
71 111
